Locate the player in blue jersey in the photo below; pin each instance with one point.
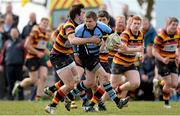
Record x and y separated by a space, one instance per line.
89 59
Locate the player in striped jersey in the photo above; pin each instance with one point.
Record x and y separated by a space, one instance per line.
61 55
36 45
165 45
123 61
103 16
119 28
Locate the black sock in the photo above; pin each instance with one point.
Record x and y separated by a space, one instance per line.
53 104
166 102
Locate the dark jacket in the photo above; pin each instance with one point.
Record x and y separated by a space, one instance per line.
27 29
13 52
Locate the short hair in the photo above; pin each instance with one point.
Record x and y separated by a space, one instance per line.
136 18
103 13
75 10
121 17
170 20
44 19
91 14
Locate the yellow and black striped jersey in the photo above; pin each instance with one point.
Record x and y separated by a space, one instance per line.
130 41
166 44
39 41
60 46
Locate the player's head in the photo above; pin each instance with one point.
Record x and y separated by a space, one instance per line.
44 23
77 12
103 16
171 25
90 19
120 23
136 23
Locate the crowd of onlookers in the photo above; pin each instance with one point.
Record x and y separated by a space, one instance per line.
12 58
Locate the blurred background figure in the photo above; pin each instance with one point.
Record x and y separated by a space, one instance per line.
125 11
27 28
147 71
9 11
149 32
12 55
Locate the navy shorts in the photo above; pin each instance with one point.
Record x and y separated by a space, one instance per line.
90 63
33 64
166 69
120 69
60 60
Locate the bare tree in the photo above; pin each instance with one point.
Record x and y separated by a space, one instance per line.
149 9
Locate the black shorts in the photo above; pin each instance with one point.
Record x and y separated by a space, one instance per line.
33 64
166 69
120 69
60 60
110 60
90 63
106 66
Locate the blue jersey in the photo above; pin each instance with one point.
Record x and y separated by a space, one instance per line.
90 49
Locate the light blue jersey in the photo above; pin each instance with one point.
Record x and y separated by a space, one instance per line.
90 49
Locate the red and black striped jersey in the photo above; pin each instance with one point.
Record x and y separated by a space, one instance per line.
166 44
130 41
39 41
60 44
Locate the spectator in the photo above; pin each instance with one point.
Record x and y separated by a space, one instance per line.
125 11
149 32
1 34
27 29
13 57
9 11
147 72
8 24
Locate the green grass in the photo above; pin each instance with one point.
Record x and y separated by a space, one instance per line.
134 108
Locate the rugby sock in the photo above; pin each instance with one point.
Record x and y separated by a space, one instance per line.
59 96
89 93
84 97
97 96
56 86
166 96
79 88
112 94
71 96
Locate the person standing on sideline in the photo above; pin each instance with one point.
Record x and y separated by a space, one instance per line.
13 55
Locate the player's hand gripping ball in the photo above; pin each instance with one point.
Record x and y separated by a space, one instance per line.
112 41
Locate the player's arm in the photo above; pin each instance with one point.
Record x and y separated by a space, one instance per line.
79 41
156 54
131 50
123 47
156 48
178 54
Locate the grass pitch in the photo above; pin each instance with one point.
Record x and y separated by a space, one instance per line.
134 108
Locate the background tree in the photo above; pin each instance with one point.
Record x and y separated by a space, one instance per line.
149 8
